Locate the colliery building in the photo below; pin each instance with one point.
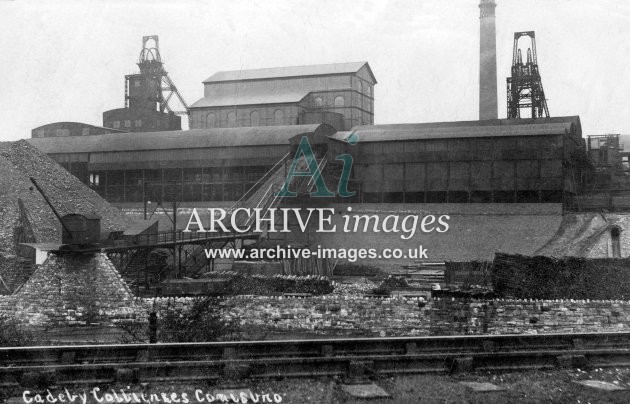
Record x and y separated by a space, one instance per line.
339 94
491 161
195 165
499 161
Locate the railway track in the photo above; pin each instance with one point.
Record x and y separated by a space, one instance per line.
352 358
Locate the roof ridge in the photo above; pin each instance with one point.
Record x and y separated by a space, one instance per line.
285 71
293 66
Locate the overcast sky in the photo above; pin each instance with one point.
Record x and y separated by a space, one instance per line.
66 60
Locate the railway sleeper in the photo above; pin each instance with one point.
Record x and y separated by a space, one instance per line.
578 343
460 364
236 371
571 361
68 357
488 346
411 348
327 350
43 378
142 355
127 375
359 372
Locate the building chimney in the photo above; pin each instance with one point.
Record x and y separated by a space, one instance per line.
488 108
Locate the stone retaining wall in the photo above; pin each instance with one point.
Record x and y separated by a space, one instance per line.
359 316
333 315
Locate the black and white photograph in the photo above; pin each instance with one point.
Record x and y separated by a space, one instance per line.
334 201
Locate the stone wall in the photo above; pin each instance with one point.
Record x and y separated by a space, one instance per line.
73 290
371 317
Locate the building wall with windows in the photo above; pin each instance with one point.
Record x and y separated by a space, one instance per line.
260 115
492 161
194 166
141 120
283 96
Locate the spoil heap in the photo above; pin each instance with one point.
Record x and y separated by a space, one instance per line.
19 161
587 234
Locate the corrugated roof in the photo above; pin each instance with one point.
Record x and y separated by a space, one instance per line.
463 129
247 98
288 71
184 139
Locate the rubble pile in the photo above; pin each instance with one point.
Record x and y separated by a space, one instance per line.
19 161
360 287
73 290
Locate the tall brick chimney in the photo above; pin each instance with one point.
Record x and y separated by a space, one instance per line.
488 108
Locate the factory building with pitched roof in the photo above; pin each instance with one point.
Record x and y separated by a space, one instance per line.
339 94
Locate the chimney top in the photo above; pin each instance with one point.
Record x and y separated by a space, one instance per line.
487 8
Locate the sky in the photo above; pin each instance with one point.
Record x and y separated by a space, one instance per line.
66 60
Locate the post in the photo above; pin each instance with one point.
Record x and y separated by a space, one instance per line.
137 279
179 258
152 327
144 198
146 270
174 221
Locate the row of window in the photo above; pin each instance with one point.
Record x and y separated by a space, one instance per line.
542 196
177 175
60 132
175 193
339 101
254 116
233 192
127 123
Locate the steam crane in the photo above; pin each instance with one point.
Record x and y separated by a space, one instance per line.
524 87
80 232
153 82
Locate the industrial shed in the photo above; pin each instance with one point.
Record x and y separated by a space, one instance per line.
492 161
500 161
197 165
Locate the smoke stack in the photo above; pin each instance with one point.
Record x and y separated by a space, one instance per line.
488 108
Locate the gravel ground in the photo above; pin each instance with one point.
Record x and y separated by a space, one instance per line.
524 387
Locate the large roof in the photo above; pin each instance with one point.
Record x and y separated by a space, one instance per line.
464 129
182 139
288 71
